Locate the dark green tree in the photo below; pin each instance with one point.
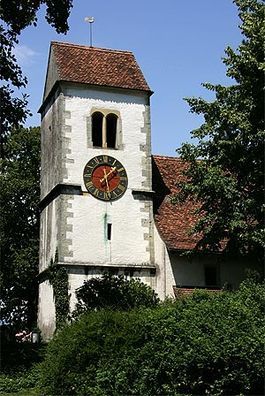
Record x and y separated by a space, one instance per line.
16 15
19 231
226 168
114 292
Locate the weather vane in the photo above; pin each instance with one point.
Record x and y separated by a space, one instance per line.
90 20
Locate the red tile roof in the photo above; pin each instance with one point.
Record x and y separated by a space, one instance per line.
180 292
98 66
173 222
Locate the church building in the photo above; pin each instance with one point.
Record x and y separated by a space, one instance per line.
105 200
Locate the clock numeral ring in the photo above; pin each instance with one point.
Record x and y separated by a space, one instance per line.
105 178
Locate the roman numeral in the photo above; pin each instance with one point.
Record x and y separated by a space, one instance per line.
89 184
122 187
113 194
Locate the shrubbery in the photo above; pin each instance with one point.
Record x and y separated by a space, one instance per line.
114 292
22 381
19 365
203 344
19 356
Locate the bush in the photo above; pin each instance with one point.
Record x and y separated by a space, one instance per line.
21 381
17 357
19 365
114 292
203 344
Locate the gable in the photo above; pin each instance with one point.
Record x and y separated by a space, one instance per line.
52 75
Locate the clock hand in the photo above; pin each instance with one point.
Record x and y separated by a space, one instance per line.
111 171
106 178
107 175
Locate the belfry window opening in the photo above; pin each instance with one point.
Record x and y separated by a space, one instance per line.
97 123
104 130
111 130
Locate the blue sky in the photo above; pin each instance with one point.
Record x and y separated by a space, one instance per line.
177 43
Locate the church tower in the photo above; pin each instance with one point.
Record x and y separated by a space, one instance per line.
96 187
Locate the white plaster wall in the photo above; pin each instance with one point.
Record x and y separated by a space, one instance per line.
51 157
176 269
164 274
76 279
233 272
89 233
190 272
80 104
48 235
130 224
46 310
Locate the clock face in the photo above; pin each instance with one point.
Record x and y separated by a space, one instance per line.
105 178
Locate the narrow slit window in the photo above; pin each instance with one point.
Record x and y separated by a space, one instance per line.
111 130
97 123
109 231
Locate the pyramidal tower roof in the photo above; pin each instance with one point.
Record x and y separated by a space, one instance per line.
94 66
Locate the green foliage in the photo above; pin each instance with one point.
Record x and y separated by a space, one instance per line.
114 292
19 357
15 16
23 392
19 199
23 381
228 182
19 366
202 344
58 278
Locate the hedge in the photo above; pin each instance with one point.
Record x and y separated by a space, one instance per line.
201 345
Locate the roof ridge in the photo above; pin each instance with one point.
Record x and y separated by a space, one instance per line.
167 157
86 47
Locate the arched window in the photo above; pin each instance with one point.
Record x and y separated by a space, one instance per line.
104 129
97 124
111 121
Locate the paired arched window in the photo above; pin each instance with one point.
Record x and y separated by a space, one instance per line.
104 130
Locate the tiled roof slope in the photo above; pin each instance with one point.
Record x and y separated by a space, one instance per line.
180 292
173 221
98 66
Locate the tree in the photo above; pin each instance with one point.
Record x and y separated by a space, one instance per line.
225 174
19 198
114 292
15 16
